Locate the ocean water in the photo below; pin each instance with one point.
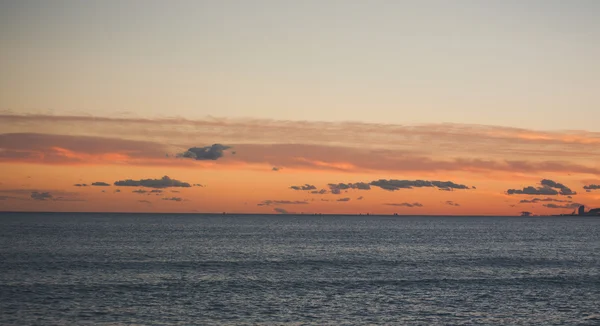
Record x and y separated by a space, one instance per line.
153 269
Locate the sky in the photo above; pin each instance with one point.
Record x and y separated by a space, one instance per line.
408 107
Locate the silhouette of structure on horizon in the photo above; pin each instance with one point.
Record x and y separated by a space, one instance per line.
591 212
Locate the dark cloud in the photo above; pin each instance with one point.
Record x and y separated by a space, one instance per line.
359 198
344 199
280 210
175 191
564 190
173 198
275 168
591 187
164 182
212 152
336 188
9 197
100 184
80 185
548 187
323 199
533 191
198 185
156 191
394 184
537 200
565 206
41 195
319 192
281 202
145 201
140 191
304 187
405 204
451 203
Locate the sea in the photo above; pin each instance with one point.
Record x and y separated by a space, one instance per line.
186 269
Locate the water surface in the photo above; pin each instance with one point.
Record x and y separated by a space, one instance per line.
154 269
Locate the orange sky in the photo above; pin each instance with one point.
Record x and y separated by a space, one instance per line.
50 154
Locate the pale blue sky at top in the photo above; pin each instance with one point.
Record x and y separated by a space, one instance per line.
531 64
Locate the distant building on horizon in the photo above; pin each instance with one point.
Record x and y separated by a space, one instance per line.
591 212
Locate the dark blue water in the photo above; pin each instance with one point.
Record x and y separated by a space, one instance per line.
218 270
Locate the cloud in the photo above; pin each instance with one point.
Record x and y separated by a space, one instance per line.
451 203
280 210
359 198
394 184
565 206
336 188
145 201
548 187
164 182
118 190
591 187
212 152
100 184
537 200
275 168
304 187
564 190
140 191
405 204
281 202
319 192
532 191
80 185
173 198
41 195
156 191
8 197
175 191
76 149
344 199
198 185
360 146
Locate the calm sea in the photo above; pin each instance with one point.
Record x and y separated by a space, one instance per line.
152 269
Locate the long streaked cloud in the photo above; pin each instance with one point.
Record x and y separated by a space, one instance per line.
304 187
236 130
538 200
303 145
173 198
564 206
405 204
394 184
164 182
41 195
451 203
100 184
282 202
